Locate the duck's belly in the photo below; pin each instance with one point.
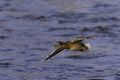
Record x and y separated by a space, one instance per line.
76 47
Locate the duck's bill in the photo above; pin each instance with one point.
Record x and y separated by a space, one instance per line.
56 51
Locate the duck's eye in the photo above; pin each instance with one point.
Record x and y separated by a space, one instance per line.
55 45
58 43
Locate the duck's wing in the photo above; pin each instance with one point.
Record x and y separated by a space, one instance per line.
87 37
56 51
80 39
77 40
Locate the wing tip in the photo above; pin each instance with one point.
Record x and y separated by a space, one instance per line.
56 51
43 60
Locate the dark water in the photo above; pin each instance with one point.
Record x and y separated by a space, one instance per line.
29 29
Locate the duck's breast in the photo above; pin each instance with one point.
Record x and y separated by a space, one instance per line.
76 47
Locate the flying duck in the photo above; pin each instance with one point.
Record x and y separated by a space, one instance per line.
74 44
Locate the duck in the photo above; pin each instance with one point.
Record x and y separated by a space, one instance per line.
74 45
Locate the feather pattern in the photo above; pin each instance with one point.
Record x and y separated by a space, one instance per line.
56 51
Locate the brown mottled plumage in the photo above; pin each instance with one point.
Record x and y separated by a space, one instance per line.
75 45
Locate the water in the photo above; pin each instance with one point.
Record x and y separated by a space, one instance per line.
29 29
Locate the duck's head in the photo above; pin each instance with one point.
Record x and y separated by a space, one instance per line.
59 44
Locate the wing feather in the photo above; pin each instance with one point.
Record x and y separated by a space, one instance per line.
53 53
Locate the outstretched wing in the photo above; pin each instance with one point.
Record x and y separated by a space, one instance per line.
80 39
76 40
56 51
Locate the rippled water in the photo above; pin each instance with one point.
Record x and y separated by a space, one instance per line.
29 29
